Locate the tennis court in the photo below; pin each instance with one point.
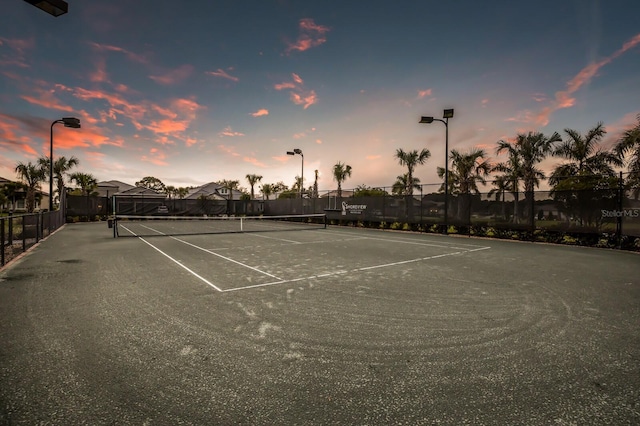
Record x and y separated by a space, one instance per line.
321 326
267 253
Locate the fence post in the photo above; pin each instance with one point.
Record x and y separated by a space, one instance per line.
620 207
2 248
10 229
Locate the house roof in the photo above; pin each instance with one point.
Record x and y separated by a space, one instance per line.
138 191
212 189
115 184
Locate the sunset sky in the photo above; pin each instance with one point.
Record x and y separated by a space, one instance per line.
201 90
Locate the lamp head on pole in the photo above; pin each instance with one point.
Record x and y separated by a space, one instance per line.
291 153
427 120
298 151
52 7
72 122
448 113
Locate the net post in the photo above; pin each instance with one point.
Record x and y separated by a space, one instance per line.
241 223
326 220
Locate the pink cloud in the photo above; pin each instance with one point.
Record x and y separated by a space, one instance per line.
564 98
100 73
283 86
311 35
174 76
297 78
19 48
229 150
259 113
222 73
156 157
424 93
228 131
305 98
131 55
373 157
254 161
298 94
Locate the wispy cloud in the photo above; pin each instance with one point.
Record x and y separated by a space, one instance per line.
373 157
259 113
135 57
222 73
311 35
303 134
564 98
155 156
229 132
254 161
174 76
298 94
424 93
228 150
17 51
99 75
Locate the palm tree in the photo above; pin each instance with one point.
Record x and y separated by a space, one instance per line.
32 175
86 181
171 192
182 192
230 185
467 170
341 172
267 190
512 172
501 185
401 185
315 185
87 184
253 179
297 185
588 179
411 159
61 167
531 149
629 144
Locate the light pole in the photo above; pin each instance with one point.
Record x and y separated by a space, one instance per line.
52 7
447 114
299 152
72 122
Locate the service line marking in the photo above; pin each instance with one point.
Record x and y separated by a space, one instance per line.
341 272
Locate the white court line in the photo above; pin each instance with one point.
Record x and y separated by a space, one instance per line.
365 268
274 238
408 241
226 258
282 281
181 265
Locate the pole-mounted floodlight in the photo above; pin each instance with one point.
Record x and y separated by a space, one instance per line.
447 114
52 7
299 152
72 122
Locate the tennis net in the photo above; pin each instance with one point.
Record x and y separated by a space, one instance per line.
152 226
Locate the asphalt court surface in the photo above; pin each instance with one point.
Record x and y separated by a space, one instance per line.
254 260
335 326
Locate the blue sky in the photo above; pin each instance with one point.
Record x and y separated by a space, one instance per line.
199 91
